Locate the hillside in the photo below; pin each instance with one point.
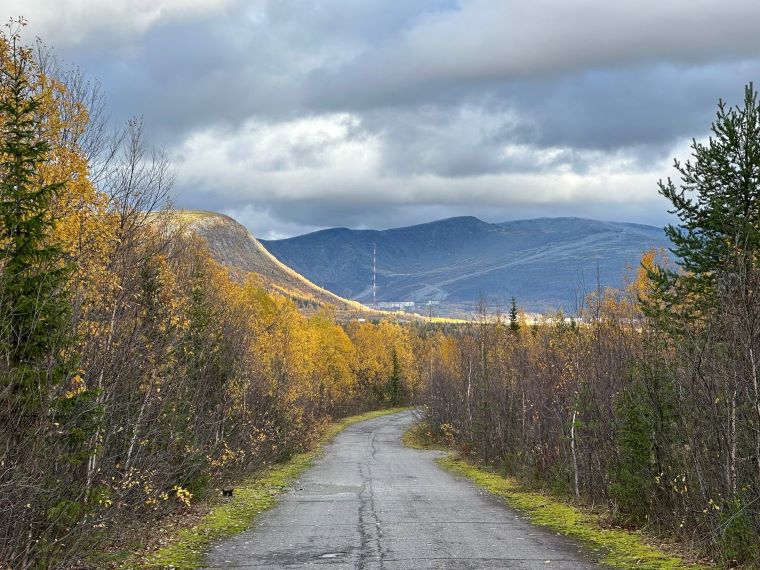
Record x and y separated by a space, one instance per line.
545 263
233 245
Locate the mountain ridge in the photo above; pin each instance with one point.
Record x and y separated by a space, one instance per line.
544 262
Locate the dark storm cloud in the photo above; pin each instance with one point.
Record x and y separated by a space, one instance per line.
297 114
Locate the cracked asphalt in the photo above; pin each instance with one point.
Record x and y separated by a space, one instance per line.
371 503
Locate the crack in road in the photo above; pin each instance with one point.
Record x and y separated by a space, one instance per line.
369 528
371 553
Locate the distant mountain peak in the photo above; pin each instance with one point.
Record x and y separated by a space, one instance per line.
456 220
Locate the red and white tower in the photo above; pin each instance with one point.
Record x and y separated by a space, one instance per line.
374 276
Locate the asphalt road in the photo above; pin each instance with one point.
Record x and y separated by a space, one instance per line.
371 503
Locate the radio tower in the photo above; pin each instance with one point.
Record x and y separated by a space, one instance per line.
374 276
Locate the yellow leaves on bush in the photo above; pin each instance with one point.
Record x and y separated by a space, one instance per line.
183 495
300 359
83 226
332 358
76 387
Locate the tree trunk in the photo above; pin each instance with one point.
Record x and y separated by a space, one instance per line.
575 457
757 408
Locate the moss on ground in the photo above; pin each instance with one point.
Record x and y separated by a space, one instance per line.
614 547
187 549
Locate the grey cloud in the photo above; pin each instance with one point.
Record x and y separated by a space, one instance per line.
646 106
282 220
442 95
251 61
486 40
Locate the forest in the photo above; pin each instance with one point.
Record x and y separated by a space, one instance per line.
137 375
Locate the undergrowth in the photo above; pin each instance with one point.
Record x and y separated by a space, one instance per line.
419 436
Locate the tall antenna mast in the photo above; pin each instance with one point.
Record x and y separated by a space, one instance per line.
374 276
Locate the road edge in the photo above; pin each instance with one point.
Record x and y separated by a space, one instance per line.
616 547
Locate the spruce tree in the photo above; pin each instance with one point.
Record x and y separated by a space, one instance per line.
394 382
514 317
35 316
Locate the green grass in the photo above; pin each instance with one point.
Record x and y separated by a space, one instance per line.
188 547
614 547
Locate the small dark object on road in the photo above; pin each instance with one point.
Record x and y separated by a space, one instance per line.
227 492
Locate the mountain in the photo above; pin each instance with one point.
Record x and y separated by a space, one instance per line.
234 246
545 263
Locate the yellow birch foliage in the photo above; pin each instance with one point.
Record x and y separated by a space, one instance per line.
83 225
332 356
375 345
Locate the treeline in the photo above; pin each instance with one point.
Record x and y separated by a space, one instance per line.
649 404
135 374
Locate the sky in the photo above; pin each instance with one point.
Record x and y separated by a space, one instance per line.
296 115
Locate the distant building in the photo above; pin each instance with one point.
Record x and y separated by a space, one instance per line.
395 305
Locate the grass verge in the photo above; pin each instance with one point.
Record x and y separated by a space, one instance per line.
614 547
187 548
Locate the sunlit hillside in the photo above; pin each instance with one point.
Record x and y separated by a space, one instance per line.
235 247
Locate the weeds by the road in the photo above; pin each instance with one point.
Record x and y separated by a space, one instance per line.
419 436
615 547
187 548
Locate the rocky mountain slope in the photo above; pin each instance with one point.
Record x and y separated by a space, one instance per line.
546 263
234 246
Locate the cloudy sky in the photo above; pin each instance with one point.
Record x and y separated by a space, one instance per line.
293 115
